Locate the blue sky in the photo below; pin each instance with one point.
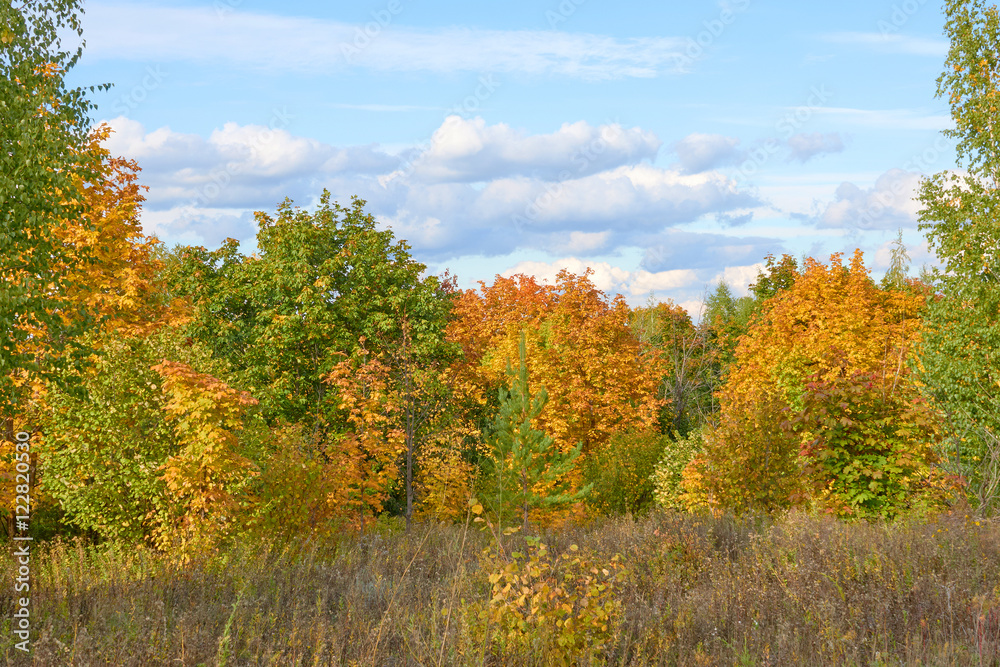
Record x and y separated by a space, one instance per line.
666 145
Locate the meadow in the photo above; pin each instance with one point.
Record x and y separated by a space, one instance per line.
666 589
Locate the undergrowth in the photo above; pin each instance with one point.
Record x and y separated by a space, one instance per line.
669 589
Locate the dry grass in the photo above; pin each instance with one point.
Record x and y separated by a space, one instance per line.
693 591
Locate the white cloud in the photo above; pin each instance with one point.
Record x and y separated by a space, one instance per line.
739 278
606 277
579 242
701 152
274 43
888 204
474 189
676 249
807 145
237 166
470 150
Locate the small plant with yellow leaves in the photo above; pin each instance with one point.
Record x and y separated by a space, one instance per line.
562 606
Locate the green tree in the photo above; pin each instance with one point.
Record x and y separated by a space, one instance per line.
780 275
43 132
527 470
899 265
960 360
103 453
725 318
319 283
323 285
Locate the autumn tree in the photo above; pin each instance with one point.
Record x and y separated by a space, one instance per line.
364 460
103 453
599 376
43 131
108 272
960 359
832 324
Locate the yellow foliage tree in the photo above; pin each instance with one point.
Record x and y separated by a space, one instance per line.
206 476
832 323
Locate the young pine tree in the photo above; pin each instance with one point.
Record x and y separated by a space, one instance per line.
528 471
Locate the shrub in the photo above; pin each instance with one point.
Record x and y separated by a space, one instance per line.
620 472
561 606
668 473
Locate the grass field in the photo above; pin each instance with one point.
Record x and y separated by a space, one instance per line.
684 590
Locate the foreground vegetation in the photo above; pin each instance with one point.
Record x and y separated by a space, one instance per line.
679 589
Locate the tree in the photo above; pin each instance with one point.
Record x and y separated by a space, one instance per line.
600 378
687 383
781 275
43 132
319 283
899 265
832 323
960 357
725 319
363 462
528 472
621 471
870 446
108 273
102 454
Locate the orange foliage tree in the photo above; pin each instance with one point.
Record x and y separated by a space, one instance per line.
832 323
579 347
363 466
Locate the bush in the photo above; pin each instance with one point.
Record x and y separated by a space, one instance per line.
561 606
620 472
668 474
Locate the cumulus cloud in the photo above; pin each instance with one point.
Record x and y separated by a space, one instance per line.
676 249
237 166
734 220
701 152
807 145
606 277
739 278
470 150
473 189
888 204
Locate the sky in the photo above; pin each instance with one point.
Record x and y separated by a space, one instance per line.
667 146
